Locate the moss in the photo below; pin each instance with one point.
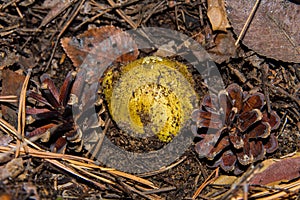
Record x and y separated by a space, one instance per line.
149 96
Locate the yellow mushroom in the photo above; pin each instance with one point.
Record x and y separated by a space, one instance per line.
150 96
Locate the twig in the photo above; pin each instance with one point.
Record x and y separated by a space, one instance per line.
105 11
202 169
93 175
18 11
265 70
240 76
63 30
7 128
165 189
100 140
123 15
163 169
152 12
285 189
242 180
9 99
137 192
64 167
282 91
246 25
2 7
92 18
62 9
22 112
284 123
206 182
79 161
132 177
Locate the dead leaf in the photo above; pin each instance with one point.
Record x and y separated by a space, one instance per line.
31 189
217 15
12 82
274 29
12 169
273 173
77 48
225 180
58 7
278 171
8 60
224 47
5 140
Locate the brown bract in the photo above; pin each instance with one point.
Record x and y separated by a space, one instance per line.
235 128
51 119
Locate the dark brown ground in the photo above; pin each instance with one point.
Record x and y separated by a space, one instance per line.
19 37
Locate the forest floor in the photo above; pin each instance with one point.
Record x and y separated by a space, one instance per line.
31 44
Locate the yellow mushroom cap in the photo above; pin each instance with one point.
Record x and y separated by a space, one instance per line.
150 96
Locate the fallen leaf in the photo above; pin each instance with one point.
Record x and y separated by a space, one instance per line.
8 60
5 140
217 15
225 180
12 82
224 47
57 7
77 48
275 171
274 29
12 169
31 190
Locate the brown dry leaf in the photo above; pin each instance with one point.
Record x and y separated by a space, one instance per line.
277 171
77 48
31 189
272 172
12 82
5 140
57 7
274 30
224 47
12 169
225 180
217 15
8 60
52 3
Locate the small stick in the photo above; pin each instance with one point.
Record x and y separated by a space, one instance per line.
18 10
240 75
206 182
265 70
282 91
123 15
100 140
132 189
22 112
165 189
163 169
9 99
246 25
62 32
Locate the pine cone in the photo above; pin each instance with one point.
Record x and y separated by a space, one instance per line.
234 128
